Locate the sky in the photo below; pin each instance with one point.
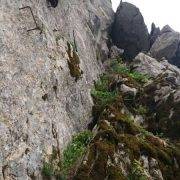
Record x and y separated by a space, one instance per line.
161 12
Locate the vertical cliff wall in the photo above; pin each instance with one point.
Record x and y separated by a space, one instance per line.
46 76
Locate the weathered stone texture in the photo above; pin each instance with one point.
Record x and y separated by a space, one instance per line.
129 30
41 105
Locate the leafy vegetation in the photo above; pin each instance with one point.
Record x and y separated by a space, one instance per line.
76 148
101 92
59 167
119 67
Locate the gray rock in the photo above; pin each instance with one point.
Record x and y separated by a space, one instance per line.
161 94
41 104
167 45
147 65
166 29
154 171
129 31
115 52
155 32
128 90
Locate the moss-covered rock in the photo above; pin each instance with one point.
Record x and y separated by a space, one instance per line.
119 144
74 62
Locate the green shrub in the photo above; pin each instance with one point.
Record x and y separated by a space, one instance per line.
119 67
75 149
102 83
104 98
101 93
141 78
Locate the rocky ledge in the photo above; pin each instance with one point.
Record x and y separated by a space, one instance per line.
137 131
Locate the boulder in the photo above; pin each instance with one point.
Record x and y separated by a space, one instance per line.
167 45
155 32
128 90
147 65
115 52
129 31
162 94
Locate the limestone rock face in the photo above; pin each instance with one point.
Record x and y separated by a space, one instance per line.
45 77
161 95
167 46
129 30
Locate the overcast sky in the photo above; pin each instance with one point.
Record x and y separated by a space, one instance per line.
161 12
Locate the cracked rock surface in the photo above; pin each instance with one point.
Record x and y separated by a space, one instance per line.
41 104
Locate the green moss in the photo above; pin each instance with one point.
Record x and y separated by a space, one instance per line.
140 146
117 131
74 62
132 143
124 122
100 166
103 125
114 173
138 172
142 110
164 157
148 149
85 168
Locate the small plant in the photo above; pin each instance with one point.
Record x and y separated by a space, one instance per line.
104 98
145 133
75 149
58 168
53 166
159 134
141 78
102 84
48 169
138 172
101 93
142 110
118 67
58 37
